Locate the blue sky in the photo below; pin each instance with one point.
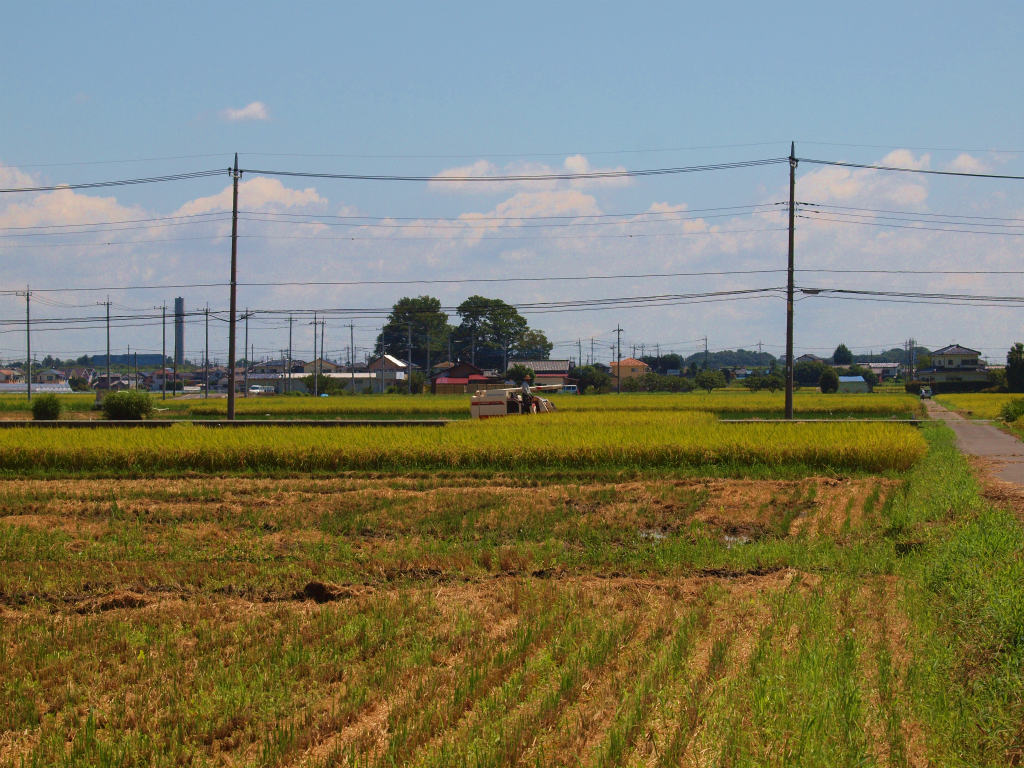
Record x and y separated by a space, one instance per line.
96 91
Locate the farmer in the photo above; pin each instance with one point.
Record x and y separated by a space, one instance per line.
527 397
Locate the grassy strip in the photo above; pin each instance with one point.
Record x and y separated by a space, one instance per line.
965 594
619 440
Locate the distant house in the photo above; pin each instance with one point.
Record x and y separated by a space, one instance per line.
809 358
49 376
321 365
629 368
546 371
279 366
853 384
883 370
115 383
9 376
460 379
955 364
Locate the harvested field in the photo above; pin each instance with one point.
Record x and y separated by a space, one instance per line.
452 618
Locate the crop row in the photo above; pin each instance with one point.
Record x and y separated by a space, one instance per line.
733 402
563 441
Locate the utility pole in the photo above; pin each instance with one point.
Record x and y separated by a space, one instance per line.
705 353
28 343
163 351
107 305
449 347
206 356
352 355
579 353
409 356
592 360
248 358
426 369
316 392
618 363
789 282
323 327
288 381
234 290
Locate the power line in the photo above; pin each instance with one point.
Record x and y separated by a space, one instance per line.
119 182
907 226
911 170
610 174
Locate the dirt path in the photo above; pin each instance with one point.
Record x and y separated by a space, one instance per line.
1002 452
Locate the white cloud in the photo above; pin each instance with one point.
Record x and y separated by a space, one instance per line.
574 164
254 194
965 163
255 110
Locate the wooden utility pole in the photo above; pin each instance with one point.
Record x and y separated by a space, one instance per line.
206 356
234 290
408 373
248 360
316 392
28 344
789 282
288 381
163 351
352 355
618 362
107 305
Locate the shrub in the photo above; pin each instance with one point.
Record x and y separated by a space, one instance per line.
1012 410
829 381
913 387
128 405
46 408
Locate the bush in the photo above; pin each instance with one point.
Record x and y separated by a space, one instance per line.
829 381
1012 410
129 405
46 408
913 387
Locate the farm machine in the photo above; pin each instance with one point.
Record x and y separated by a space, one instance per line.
490 403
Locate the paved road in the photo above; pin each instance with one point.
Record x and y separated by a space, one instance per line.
979 438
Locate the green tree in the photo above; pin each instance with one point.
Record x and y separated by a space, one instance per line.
808 372
591 379
1015 368
842 355
709 380
531 345
829 381
520 373
424 316
492 332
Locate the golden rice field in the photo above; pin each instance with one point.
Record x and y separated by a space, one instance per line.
977 405
732 402
563 441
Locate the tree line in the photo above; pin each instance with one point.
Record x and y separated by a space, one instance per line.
488 334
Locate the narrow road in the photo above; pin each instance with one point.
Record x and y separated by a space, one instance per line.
979 438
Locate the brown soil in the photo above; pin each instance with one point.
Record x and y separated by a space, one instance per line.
1000 492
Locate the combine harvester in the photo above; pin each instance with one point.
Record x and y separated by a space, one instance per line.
490 403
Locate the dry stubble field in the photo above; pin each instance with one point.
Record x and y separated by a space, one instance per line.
443 619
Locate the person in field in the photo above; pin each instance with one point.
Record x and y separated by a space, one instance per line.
527 397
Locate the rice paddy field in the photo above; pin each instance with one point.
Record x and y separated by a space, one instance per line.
728 402
977 405
598 589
